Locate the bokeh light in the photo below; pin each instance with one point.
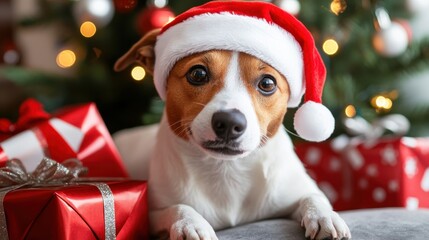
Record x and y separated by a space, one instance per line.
380 102
88 29
138 73
330 46
350 111
66 58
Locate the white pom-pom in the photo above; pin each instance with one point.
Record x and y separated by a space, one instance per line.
314 122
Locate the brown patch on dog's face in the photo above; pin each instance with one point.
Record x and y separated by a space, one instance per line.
184 100
270 109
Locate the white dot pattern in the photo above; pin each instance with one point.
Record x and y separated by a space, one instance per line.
379 194
425 181
389 155
412 203
313 156
410 167
393 185
372 170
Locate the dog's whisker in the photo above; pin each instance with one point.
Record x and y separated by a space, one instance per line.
264 139
181 129
177 122
290 132
201 104
180 122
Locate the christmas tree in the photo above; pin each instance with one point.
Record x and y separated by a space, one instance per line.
62 52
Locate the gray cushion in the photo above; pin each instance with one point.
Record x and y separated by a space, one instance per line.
369 224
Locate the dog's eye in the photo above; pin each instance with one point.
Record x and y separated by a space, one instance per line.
197 75
267 85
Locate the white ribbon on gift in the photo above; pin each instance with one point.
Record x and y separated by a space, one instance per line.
368 134
27 147
371 132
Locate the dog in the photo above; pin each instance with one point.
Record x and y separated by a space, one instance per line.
222 157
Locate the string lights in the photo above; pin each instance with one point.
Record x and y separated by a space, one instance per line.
381 103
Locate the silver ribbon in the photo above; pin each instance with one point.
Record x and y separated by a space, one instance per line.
397 124
52 173
109 210
3 226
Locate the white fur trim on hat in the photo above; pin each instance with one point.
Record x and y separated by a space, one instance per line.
314 122
226 31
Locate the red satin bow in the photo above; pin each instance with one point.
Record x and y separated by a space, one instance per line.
30 112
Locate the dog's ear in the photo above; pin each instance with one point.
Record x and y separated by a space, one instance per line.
141 52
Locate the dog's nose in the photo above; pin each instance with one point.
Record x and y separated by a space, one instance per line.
229 124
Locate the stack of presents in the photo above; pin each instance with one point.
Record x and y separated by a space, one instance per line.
61 176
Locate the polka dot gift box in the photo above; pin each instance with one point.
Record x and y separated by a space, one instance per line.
392 172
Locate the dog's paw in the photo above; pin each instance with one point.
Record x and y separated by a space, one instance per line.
190 229
327 225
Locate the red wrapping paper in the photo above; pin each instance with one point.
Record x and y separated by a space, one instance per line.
31 112
74 132
76 212
394 172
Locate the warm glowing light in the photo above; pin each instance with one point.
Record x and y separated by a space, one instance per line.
335 7
138 73
350 111
66 58
338 6
388 104
381 103
88 29
330 47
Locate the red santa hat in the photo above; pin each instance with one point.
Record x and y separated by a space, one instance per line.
261 30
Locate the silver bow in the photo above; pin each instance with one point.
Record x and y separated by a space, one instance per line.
396 123
50 172
47 172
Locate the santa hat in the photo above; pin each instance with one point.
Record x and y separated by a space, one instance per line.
261 30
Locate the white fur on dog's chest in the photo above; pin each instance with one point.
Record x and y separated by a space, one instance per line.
228 193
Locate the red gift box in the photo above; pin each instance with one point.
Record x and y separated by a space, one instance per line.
74 132
76 212
392 172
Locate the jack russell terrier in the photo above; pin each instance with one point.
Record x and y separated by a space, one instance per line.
228 71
